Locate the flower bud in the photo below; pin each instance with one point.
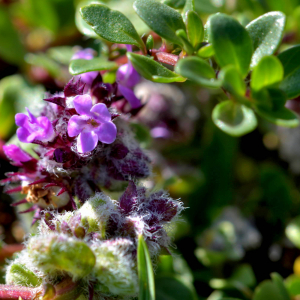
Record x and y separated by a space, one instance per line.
59 252
115 268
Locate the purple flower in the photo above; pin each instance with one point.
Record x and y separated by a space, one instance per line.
87 54
32 128
127 77
16 154
93 124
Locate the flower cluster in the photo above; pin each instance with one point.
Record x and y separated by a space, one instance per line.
96 245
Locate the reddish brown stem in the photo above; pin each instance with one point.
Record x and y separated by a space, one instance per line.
12 292
167 58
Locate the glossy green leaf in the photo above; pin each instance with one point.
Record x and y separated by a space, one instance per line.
150 42
290 60
197 70
79 66
232 81
173 287
234 118
274 289
267 72
206 51
195 29
161 18
145 272
111 25
153 70
175 3
282 117
189 6
271 99
181 34
292 231
11 48
231 42
266 33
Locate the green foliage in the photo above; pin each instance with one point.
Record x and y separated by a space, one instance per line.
162 19
231 42
111 25
266 33
79 66
293 231
234 118
153 70
145 272
195 29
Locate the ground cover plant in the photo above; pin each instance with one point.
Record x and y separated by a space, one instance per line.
149 149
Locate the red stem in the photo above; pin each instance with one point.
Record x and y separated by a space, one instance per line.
12 292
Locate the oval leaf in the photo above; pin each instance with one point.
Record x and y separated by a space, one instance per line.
111 25
145 272
231 42
153 70
172 287
268 71
266 33
197 70
161 18
195 29
234 118
79 66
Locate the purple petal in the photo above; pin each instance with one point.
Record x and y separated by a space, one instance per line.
89 77
46 132
130 96
83 104
16 154
160 132
87 141
23 134
76 125
87 53
127 75
21 119
31 116
101 113
107 133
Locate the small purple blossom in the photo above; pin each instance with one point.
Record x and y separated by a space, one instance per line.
127 77
87 54
33 129
16 154
94 124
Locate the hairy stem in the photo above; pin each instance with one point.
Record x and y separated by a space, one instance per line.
12 292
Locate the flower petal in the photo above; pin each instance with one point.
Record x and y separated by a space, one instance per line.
16 154
46 133
83 104
101 113
87 141
23 134
76 125
107 133
21 119
130 96
128 76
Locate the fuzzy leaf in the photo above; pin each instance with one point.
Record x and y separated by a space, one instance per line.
197 70
161 18
234 118
79 66
267 72
153 70
266 33
145 272
231 42
111 25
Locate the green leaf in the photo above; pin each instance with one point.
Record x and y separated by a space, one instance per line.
266 33
142 134
234 118
189 6
175 3
282 117
274 289
161 18
290 60
197 70
267 72
61 54
174 288
150 42
293 285
79 66
206 51
195 29
232 81
292 231
231 42
111 25
11 48
181 34
145 272
153 70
